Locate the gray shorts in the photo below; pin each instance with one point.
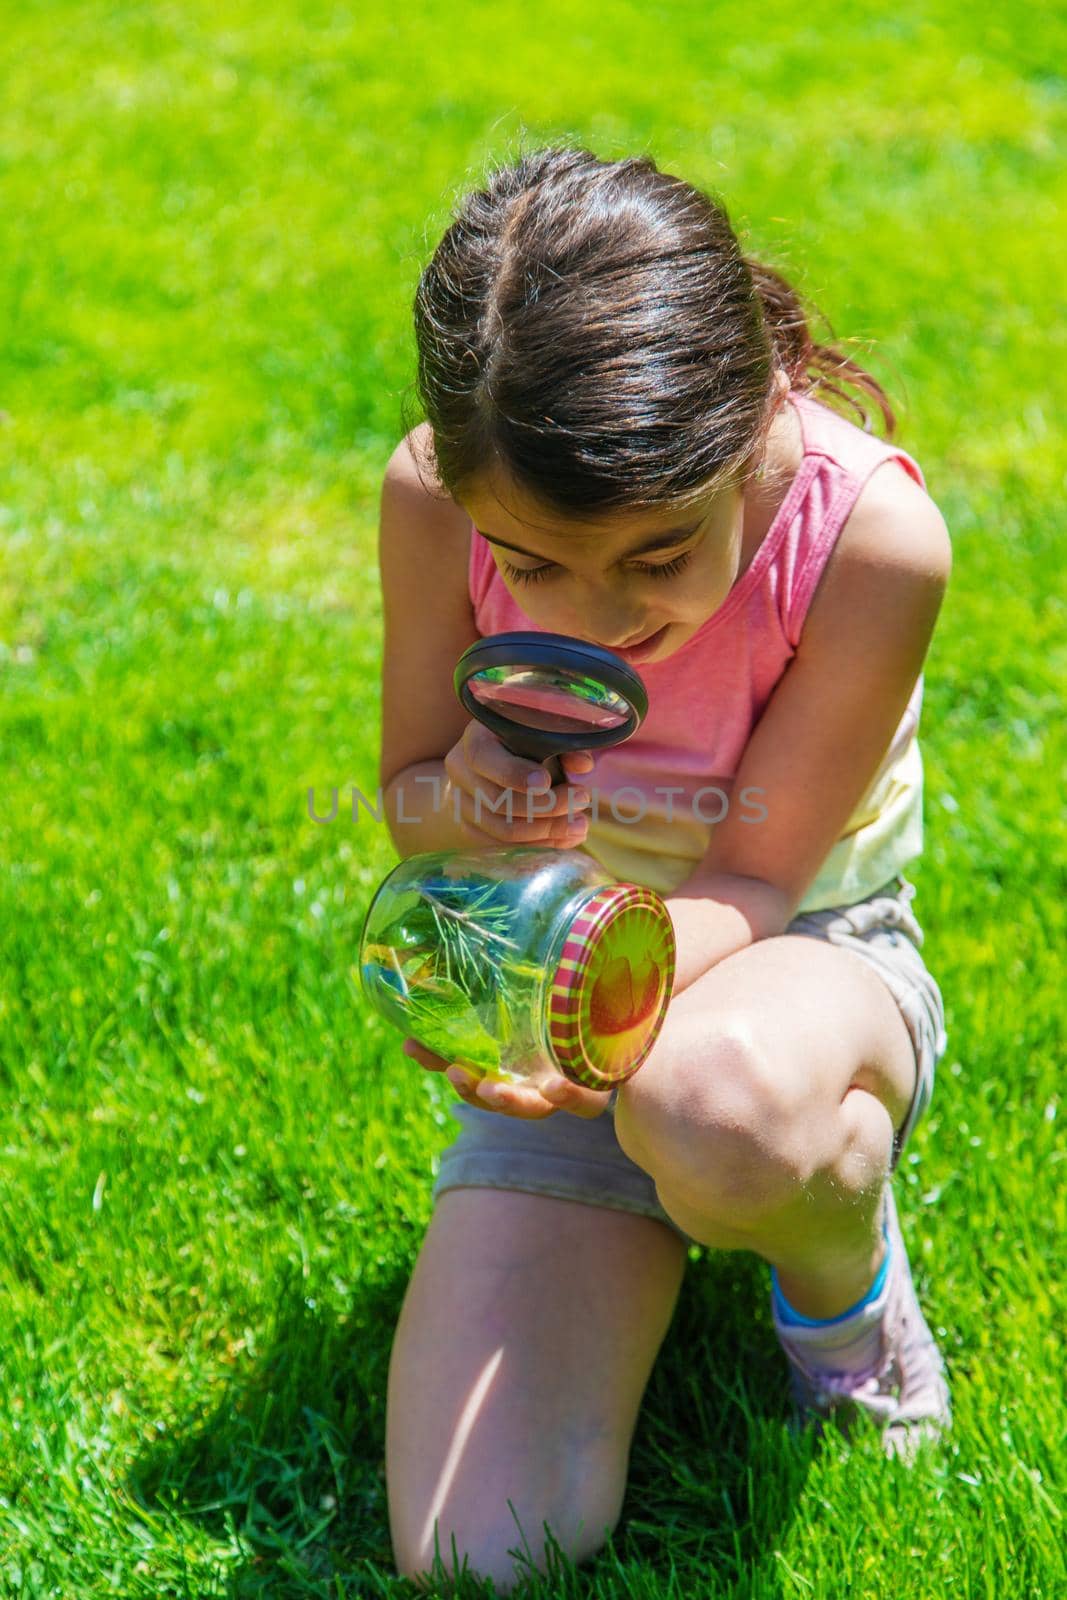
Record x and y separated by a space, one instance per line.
580 1159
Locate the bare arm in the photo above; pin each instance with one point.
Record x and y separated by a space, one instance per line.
716 913
438 769
423 549
419 810
827 726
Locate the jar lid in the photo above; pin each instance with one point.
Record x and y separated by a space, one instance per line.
612 984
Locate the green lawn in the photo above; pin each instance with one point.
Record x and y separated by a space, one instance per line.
214 1167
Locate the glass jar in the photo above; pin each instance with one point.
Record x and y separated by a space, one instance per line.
520 963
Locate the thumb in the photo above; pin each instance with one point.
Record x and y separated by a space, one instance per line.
578 763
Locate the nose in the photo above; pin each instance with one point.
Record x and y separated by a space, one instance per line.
623 640
614 639
600 618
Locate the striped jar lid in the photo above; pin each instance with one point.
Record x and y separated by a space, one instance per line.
609 993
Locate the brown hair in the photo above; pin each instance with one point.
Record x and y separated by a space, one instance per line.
592 329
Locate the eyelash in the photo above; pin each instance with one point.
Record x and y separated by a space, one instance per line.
666 569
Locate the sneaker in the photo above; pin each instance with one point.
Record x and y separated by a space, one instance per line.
906 1395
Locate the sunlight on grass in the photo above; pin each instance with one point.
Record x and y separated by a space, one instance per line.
214 1164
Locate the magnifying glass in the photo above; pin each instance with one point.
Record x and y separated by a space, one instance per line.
546 694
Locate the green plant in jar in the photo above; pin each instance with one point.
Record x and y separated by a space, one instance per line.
520 963
450 957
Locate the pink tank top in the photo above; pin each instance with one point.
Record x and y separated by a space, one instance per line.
659 794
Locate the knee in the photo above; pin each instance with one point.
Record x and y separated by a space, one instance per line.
716 1125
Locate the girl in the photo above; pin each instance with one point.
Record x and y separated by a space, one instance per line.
627 441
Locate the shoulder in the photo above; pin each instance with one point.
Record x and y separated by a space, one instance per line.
424 536
422 529
412 470
894 524
893 558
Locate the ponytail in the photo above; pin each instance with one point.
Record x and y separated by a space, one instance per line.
796 353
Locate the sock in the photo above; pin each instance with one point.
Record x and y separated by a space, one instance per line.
848 1343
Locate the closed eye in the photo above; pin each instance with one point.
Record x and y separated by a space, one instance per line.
664 569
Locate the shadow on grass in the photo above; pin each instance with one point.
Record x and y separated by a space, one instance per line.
289 1466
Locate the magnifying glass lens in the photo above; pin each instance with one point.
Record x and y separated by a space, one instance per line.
549 698
546 694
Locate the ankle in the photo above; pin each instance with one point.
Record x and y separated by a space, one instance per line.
824 1296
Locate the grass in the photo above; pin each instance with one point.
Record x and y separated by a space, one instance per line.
214 1166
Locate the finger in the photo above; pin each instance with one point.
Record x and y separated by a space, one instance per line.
494 795
519 816
475 800
532 795
514 1100
578 763
569 831
559 837
426 1058
507 1099
535 818
565 801
573 1097
479 762
488 758
533 1104
488 829
496 813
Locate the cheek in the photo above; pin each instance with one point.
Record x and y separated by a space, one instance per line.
709 586
530 596
541 600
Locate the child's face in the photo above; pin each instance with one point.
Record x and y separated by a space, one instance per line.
597 582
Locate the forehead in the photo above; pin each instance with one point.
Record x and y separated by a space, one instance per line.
508 513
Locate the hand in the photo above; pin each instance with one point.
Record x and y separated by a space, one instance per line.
483 774
520 1100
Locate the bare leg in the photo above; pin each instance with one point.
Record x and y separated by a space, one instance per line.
827 1243
765 1113
521 1355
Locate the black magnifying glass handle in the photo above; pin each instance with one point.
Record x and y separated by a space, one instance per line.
557 773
